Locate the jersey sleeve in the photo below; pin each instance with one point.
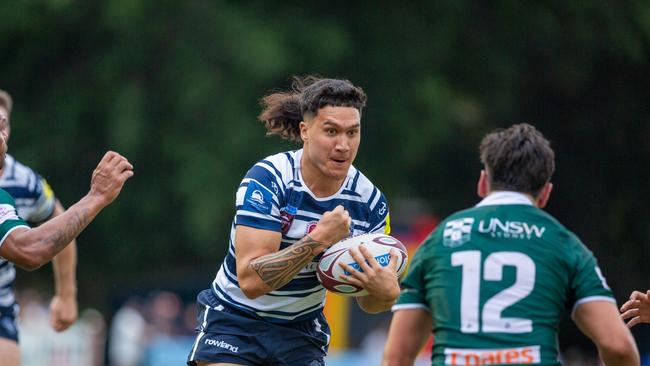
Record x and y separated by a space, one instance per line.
587 283
44 202
9 219
32 195
258 199
379 214
413 295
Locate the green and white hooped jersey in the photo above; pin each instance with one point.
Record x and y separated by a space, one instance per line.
34 200
9 221
497 278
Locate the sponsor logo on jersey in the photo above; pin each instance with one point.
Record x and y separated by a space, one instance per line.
222 344
510 229
257 198
495 356
7 212
457 232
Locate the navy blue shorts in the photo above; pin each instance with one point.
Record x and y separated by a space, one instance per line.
226 334
8 327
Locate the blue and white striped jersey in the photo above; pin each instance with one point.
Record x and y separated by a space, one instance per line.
35 204
273 196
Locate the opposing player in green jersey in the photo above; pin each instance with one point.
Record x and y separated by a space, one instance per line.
493 281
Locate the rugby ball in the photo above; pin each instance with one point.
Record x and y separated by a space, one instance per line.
329 271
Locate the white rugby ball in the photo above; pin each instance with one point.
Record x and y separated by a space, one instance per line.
329 272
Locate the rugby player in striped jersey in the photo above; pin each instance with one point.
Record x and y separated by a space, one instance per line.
265 305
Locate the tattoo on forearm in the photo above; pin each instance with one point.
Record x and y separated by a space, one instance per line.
61 237
277 269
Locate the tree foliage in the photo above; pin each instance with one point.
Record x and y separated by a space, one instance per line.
175 86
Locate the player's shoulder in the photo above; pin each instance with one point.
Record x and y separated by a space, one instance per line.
282 158
458 227
562 234
281 165
466 216
360 185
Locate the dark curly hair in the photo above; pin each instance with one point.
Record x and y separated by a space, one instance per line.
283 111
518 159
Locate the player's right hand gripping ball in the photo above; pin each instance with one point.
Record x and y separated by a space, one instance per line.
329 272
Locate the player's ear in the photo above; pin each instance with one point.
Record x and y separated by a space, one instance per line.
544 195
483 186
303 130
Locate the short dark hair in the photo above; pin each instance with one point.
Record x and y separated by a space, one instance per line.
283 111
517 159
6 101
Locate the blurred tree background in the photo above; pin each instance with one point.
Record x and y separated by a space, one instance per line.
174 86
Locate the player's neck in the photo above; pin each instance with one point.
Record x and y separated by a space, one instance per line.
320 184
530 197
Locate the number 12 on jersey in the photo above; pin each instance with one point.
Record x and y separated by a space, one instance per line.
491 319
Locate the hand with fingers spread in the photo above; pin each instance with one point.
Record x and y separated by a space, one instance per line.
637 308
380 282
109 176
332 227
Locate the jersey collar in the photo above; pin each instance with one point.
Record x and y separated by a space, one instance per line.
505 198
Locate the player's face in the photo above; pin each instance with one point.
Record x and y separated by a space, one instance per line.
331 140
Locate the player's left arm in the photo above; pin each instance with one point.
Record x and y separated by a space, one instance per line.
382 283
595 312
408 333
599 320
63 307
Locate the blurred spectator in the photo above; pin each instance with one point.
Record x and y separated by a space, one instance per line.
165 314
81 344
127 335
157 331
189 319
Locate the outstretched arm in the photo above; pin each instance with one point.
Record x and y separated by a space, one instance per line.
599 320
31 248
409 331
63 307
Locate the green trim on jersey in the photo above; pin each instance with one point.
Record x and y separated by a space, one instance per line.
500 277
9 218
